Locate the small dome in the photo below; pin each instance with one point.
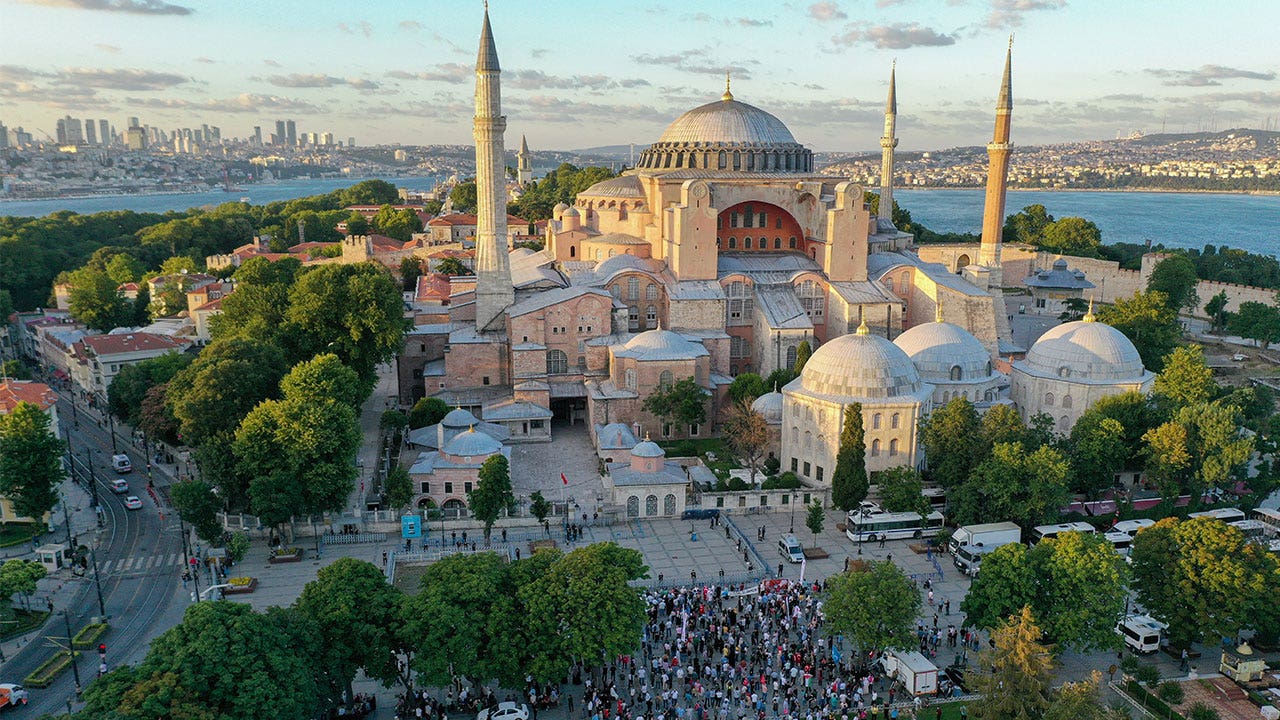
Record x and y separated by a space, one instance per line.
572 212
647 449
769 405
560 207
662 345
1085 350
860 366
625 186
458 418
726 122
471 444
937 348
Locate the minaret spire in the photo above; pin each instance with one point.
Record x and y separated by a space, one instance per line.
889 141
494 291
524 164
993 213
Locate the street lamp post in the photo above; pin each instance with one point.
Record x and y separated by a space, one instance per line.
97 582
66 518
793 513
75 666
93 480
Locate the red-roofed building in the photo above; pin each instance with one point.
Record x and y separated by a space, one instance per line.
205 302
456 227
99 358
432 287
128 290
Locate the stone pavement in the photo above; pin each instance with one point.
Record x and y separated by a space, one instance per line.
537 466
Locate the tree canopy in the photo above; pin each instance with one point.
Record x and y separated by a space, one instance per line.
1175 276
492 495
875 608
684 402
30 461
849 483
1149 321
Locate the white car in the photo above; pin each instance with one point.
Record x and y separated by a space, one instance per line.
505 711
120 485
1239 357
133 502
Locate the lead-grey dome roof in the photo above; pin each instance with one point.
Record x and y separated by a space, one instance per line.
459 418
725 122
860 366
471 444
1085 350
937 347
769 405
727 135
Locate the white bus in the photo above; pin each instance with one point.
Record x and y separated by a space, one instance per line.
1122 541
892 526
1131 527
1269 517
1042 532
1226 515
1251 529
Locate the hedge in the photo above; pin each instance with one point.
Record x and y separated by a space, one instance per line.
44 675
87 638
1150 701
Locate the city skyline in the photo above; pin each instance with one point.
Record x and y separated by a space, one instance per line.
398 72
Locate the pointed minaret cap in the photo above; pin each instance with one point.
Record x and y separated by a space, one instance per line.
891 106
1006 83
1088 317
727 96
524 146
487 58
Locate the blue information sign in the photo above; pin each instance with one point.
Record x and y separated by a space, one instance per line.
410 526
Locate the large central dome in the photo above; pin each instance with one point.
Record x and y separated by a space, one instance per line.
727 135
727 122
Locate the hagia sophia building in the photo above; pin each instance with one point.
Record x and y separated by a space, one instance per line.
718 254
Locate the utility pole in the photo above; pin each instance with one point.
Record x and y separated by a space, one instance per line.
97 581
66 518
93 480
75 666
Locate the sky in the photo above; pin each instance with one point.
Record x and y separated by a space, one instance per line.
584 73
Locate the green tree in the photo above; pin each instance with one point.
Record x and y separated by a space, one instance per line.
1149 322
1013 484
18 577
1073 309
1015 675
427 411
357 224
399 487
815 518
1185 379
198 504
748 387
450 618
1072 236
323 377
452 266
463 197
1001 424
1202 578
399 224
1256 321
682 403
803 352
1135 413
1027 226
1216 309
368 192
874 609
492 495
1098 452
227 380
155 419
124 268
30 461
849 480
948 435
359 618
130 386
1081 701
747 434
1006 584
1175 276
901 490
15 370
1199 448
94 300
539 506
410 271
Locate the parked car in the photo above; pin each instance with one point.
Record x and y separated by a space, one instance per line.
505 711
120 486
133 502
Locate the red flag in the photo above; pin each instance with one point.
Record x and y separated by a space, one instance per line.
564 479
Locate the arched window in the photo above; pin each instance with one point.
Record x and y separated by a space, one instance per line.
875 421
612 252
1063 422
875 448
896 421
740 304
630 376
665 380
733 243
633 287
1048 398
1066 401
615 290
888 284
989 395
557 362
1064 371
746 243
795 434
777 242
822 442
633 506
792 243
957 373
739 347
651 315
669 505
893 447
573 251
651 505
777 224
651 291
812 299
724 160
791 356
946 397
808 440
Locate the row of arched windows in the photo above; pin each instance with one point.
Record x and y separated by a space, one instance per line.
895 421
651 505
750 244
799 160
1067 402
876 447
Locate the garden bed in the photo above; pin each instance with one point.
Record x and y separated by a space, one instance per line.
87 638
44 675
289 555
537 546
240 586
24 622
16 533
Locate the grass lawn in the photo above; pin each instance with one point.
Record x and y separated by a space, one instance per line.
23 622
15 533
724 461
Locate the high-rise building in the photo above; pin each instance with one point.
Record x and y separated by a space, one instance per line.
133 122
291 132
22 138
61 133
257 135
280 137
4 136
351 142
135 138
104 132
90 133
326 139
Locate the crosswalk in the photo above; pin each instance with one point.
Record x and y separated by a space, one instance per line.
142 564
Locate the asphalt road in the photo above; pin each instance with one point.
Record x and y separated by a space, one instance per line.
137 589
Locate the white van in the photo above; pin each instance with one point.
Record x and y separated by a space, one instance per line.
120 463
1131 527
1042 532
1141 633
790 548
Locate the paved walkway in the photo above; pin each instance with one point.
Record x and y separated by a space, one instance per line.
537 466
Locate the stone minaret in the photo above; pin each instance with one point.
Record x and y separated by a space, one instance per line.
997 176
887 143
524 166
494 291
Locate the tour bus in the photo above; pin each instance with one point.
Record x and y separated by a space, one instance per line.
892 526
1270 518
1226 515
937 498
1131 527
1042 532
968 558
1122 541
1251 529
1141 633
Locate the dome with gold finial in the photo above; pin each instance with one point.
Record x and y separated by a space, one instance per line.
859 366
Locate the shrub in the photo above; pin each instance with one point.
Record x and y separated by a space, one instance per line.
237 546
1170 692
1200 711
239 582
1129 664
1147 674
772 464
785 481
684 448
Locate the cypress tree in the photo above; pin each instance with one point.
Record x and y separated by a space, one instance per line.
849 481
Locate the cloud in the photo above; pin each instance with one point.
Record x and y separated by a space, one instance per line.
137 7
888 3
411 25
729 22
104 47
538 80
243 103
67 79
206 61
320 80
697 62
271 63
1208 75
898 36
1251 98
363 28
537 53
825 11
362 84
545 108
1008 13
452 73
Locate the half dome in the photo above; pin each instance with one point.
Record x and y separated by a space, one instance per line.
1085 350
860 366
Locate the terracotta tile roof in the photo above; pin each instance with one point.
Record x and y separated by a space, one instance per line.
432 287
382 243
211 305
450 252
469 219
307 247
127 287
130 342
13 392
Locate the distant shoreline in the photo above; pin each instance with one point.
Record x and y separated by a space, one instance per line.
1166 191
